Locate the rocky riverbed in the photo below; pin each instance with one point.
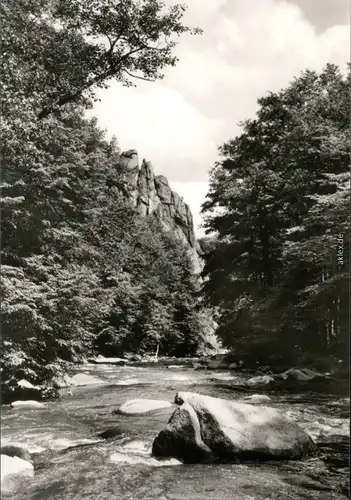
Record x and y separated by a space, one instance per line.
83 447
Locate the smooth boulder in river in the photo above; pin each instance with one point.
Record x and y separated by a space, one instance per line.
256 399
82 379
260 380
206 429
27 405
137 406
15 451
14 471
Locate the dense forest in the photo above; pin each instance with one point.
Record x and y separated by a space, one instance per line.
83 272
277 270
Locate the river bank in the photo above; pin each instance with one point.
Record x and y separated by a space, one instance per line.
72 461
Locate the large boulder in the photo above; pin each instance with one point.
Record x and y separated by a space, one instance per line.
138 406
14 471
16 451
101 360
204 429
112 432
13 390
217 364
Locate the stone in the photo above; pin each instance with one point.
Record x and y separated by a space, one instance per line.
256 398
233 366
16 451
138 406
207 429
63 382
21 390
101 360
153 196
217 364
302 375
24 384
27 405
82 379
260 380
14 471
112 432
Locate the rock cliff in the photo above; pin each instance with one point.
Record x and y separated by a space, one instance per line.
153 196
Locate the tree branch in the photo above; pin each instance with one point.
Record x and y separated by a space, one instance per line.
114 68
74 95
138 77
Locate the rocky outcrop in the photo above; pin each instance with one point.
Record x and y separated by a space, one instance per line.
153 196
205 429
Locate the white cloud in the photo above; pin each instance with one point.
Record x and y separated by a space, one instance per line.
247 49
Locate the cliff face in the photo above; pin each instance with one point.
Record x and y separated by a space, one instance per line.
153 196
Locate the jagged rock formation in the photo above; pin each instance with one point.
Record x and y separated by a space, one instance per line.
152 195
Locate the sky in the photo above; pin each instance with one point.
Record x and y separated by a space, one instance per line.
248 47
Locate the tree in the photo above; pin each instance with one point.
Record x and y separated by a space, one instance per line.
78 261
62 51
274 258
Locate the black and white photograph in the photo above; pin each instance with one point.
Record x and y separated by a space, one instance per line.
175 249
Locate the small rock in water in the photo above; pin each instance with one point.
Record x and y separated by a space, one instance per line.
63 382
15 451
111 433
136 406
223 376
82 379
14 471
24 384
217 364
302 375
256 398
260 380
28 405
109 361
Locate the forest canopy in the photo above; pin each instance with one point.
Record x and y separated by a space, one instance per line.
279 200
82 271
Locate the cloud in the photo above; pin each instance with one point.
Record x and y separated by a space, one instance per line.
247 49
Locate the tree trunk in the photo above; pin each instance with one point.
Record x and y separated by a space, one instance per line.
157 351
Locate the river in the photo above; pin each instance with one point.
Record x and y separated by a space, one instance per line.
72 462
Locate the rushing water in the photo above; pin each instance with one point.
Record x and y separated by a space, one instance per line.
72 462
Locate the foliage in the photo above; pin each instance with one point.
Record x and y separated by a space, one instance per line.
77 259
61 51
278 202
